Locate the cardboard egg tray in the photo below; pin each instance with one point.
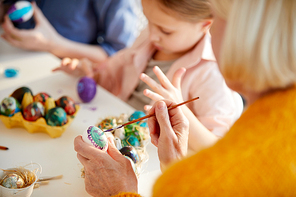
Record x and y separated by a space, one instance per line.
39 125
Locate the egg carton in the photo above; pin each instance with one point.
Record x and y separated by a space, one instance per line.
37 126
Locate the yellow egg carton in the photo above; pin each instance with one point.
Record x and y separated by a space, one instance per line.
39 125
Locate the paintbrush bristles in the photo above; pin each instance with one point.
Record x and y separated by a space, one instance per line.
150 115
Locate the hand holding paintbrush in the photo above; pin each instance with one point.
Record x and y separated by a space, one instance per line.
150 115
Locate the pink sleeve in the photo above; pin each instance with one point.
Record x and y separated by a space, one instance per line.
218 107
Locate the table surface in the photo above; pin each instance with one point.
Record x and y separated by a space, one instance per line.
57 156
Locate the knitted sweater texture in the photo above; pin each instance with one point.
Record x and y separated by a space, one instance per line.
257 157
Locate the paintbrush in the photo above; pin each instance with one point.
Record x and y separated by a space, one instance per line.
150 115
3 148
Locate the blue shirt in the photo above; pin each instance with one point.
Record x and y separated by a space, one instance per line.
112 24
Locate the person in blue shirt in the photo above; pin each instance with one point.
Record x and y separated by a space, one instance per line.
93 29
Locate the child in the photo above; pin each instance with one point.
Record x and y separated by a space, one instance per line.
177 36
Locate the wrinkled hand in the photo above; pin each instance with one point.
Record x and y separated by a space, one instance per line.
169 131
75 67
41 38
166 89
106 174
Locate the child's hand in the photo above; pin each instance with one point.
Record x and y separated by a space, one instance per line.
164 90
83 67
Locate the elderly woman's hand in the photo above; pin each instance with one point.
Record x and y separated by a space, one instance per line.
169 132
106 174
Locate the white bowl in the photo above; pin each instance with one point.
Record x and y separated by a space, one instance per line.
22 192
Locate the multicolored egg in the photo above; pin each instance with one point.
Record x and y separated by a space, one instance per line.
107 123
67 104
87 89
95 137
33 111
41 97
131 140
20 12
9 106
131 152
133 129
18 94
13 181
139 114
56 117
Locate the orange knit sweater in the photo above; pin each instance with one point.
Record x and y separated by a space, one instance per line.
257 157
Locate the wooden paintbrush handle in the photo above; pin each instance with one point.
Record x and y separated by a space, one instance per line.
150 115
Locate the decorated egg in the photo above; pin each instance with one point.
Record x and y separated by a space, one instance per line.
131 140
33 111
56 117
87 89
108 123
41 97
18 94
20 12
131 152
13 181
67 104
135 130
139 114
96 137
9 106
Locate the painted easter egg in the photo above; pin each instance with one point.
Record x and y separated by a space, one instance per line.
96 137
135 130
67 104
131 152
87 89
56 117
131 140
18 94
33 111
20 12
139 114
107 123
41 97
9 106
13 181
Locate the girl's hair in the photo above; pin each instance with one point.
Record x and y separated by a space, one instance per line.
259 46
188 10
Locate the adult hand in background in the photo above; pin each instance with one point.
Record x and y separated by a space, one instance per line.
42 38
166 89
75 67
169 132
106 174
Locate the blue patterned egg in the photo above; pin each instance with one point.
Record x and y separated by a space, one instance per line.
95 137
9 106
20 12
131 140
139 114
56 117
131 152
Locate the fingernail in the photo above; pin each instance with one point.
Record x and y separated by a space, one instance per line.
161 105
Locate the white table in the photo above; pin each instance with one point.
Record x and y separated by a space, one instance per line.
57 156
